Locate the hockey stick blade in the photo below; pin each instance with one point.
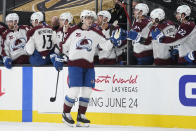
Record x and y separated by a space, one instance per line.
52 99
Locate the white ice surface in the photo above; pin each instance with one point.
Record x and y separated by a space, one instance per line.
12 126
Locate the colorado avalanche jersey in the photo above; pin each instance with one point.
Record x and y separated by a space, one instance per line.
161 52
82 44
2 29
107 57
13 44
61 35
41 39
184 40
143 49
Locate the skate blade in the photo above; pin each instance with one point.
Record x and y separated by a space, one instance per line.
70 125
80 124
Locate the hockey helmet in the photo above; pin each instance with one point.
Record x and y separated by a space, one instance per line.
94 15
37 16
142 7
66 16
106 14
12 17
86 13
184 9
157 13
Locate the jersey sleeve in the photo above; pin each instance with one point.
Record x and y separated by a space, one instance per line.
30 46
104 43
66 45
5 48
183 31
5 43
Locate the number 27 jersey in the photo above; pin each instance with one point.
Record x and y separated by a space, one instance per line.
42 39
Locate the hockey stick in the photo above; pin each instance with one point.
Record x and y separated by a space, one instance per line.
52 99
124 7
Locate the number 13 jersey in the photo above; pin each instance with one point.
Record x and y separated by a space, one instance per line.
42 39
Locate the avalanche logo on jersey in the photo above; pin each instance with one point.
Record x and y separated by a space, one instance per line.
18 44
84 44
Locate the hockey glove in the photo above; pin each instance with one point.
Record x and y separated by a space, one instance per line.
117 36
7 62
57 61
133 35
174 53
157 35
190 57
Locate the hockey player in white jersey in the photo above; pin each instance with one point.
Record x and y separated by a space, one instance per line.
14 40
41 41
140 34
142 24
81 42
186 36
162 54
105 57
184 39
103 18
65 21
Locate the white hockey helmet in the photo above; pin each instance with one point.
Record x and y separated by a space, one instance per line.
86 13
37 16
12 17
142 7
16 17
66 16
94 15
157 13
41 15
184 9
106 14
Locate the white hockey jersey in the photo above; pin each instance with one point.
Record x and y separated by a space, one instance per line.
161 52
81 45
143 49
184 41
14 42
2 29
105 55
61 35
109 57
41 38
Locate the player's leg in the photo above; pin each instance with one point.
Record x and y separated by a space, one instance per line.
36 59
89 83
75 82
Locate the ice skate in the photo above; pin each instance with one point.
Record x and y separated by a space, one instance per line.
82 121
67 119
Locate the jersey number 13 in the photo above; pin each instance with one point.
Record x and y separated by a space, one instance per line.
47 42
